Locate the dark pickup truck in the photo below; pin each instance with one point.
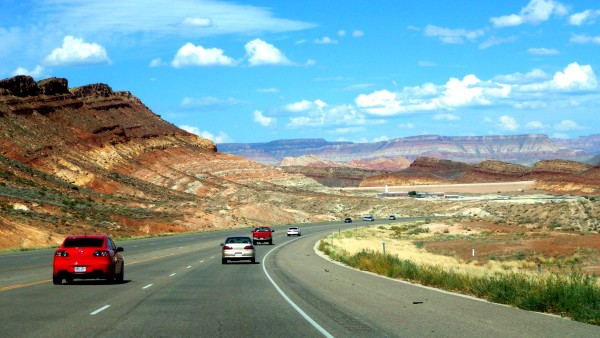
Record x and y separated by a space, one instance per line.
262 234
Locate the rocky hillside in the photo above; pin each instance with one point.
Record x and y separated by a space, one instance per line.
94 160
334 177
341 174
519 149
90 159
379 164
566 176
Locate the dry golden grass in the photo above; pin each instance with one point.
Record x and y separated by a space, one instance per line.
372 238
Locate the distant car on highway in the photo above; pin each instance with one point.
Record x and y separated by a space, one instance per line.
294 231
368 218
392 218
88 257
237 248
262 234
348 220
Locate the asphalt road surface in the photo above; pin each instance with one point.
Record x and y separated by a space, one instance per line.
176 286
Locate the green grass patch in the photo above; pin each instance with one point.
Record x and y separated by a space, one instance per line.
575 295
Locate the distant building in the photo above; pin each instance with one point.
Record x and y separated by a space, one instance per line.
416 194
393 194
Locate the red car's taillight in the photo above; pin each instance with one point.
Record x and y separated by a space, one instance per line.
248 247
101 253
61 253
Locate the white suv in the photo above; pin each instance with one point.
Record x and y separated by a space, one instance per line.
294 231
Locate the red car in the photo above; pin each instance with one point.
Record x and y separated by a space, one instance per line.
262 234
88 257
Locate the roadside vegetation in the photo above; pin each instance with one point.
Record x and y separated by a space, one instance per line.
575 295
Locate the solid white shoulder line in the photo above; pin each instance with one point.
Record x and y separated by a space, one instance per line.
296 307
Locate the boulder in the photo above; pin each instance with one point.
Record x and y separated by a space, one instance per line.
20 85
97 89
54 86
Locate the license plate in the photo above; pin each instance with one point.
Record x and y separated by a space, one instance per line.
80 269
238 253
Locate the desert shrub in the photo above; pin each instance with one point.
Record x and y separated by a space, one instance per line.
417 230
419 244
575 295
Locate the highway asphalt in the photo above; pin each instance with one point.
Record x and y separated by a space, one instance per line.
176 286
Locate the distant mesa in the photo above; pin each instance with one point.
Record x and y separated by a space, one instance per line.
550 175
518 149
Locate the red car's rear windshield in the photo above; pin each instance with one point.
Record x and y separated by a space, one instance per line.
83 242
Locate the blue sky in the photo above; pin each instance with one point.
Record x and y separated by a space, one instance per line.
352 70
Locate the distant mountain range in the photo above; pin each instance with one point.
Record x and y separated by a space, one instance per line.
520 149
550 175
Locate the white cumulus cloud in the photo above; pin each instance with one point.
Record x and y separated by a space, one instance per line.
462 92
317 113
37 72
157 62
566 125
358 33
586 17
532 90
381 102
304 105
508 123
535 125
536 12
260 53
575 77
263 120
191 55
325 41
221 138
75 51
583 39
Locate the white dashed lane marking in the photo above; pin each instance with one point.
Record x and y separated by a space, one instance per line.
100 310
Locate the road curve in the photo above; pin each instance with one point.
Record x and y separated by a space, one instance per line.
177 286
348 302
